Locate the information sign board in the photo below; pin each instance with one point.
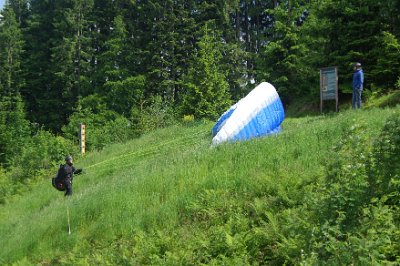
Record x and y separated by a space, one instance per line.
329 85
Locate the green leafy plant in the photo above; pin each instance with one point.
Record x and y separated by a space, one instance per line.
385 173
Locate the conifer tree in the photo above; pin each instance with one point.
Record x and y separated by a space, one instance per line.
207 93
14 128
387 68
352 29
71 56
123 91
164 41
390 12
58 55
11 45
101 18
114 53
21 11
281 62
237 60
166 66
37 63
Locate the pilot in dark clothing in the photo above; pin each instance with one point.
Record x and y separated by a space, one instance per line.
65 175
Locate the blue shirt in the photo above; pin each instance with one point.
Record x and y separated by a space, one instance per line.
358 79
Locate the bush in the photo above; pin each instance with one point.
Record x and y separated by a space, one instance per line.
43 151
385 174
188 118
157 115
398 83
102 128
358 205
14 128
39 154
346 187
5 186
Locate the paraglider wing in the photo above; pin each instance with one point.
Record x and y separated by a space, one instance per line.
258 114
222 120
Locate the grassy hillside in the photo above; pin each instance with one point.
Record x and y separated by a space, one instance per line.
169 198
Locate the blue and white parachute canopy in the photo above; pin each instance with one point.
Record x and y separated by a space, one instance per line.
258 114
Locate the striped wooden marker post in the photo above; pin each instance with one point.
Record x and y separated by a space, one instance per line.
82 138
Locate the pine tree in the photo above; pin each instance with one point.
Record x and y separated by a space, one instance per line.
37 63
165 67
11 45
58 57
21 11
281 62
207 93
390 12
387 68
71 56
14 128
122 90
237 60
230 20
350 29
164 41
101 19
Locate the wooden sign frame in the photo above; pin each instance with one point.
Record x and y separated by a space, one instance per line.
329 85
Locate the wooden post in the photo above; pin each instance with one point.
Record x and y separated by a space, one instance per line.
82 138
321 81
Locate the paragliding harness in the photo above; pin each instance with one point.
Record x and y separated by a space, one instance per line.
58 181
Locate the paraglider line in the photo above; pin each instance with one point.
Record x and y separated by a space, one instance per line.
69 225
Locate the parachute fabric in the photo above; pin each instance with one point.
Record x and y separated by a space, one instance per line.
258 114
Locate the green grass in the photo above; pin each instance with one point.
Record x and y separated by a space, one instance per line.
310 106
156 199
388 100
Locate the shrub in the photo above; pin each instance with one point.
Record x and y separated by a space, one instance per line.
43 151
398 83
102 128
5 186
346 187
188 118
385 173
156 115
358 204
39 154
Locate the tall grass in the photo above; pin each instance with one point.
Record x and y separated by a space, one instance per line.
150 201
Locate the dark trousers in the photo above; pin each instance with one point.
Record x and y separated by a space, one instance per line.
68 186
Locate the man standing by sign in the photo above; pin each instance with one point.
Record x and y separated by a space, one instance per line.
358 83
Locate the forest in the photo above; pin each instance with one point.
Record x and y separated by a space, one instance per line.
126 67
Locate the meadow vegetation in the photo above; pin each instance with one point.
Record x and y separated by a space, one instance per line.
324 191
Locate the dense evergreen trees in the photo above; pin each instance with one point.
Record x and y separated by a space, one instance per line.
206 84
281 61
14 128
61 59
11 47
